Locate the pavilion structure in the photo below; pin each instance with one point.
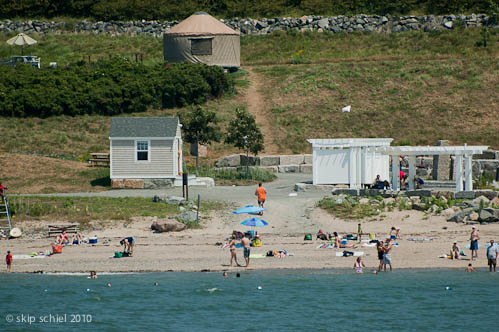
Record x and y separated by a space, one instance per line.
357 161
462 153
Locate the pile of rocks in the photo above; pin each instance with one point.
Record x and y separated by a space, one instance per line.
296 163
247 26
188 213
480 210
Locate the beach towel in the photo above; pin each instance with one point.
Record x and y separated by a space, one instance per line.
257 256
27 256
355 253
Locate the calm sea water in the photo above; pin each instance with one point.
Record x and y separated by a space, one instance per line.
324 300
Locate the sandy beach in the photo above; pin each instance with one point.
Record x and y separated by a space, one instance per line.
289 219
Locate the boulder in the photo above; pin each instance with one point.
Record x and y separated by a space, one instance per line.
489 194
364 200
307 169
465 195
487 216
289 168
294 159
307 159
167 225
269 161
473 216
273 169
249 160
476 202
232 160
418 206
495 202
188 216
389 200
300 187
448 212
174 200
460 216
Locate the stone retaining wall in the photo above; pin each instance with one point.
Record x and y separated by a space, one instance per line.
248 26
296 163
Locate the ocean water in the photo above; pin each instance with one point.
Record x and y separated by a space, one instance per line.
291 300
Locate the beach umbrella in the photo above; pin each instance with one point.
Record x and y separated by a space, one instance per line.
21 40
254 222
249 209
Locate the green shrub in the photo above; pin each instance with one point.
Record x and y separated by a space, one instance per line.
106 87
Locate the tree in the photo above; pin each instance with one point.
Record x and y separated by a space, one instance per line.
244 133
200 127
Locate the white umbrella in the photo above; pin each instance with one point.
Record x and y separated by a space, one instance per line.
21 40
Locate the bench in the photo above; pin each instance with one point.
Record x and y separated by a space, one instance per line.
99 159
54 229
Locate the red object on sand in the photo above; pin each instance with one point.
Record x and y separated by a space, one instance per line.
57 249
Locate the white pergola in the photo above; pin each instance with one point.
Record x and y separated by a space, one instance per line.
461 152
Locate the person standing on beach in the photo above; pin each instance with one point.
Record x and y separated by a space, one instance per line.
232 246
246 244
474 242
381 254
387 258
359 232
8 261
492 253
261 194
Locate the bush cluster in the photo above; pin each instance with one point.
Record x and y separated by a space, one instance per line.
106 87
180 9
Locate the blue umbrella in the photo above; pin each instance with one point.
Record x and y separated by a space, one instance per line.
255 222
249 209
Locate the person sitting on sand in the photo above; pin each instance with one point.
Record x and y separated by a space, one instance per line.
454 251
76 239
396 231
469 268
62 238
323 236
128 243
358 265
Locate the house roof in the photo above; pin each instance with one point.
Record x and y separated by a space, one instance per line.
144 127
201 23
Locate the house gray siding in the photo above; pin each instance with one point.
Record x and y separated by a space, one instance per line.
160 164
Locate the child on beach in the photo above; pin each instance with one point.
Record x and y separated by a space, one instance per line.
395 229
470 268
358 265
454 251
8 261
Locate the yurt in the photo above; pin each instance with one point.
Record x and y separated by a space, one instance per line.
201 38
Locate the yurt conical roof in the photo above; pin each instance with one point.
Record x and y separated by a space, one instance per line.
201 23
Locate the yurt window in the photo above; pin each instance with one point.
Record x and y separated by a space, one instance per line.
201 46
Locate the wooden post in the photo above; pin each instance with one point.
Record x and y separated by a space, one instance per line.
199 206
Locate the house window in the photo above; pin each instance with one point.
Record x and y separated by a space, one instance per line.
142 150
201 46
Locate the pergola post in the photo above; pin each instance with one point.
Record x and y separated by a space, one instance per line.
459 172
468 171
395 172
412 171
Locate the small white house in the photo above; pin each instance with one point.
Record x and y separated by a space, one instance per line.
145 152
351 161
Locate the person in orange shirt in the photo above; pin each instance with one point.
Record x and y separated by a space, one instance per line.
261 195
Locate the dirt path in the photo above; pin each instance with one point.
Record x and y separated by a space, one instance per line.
256 106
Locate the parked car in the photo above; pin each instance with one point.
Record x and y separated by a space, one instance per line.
32 60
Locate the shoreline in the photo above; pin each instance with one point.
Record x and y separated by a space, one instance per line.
291 269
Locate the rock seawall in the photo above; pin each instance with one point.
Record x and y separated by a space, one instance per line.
248 26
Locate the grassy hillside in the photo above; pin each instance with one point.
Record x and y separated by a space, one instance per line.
415 87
